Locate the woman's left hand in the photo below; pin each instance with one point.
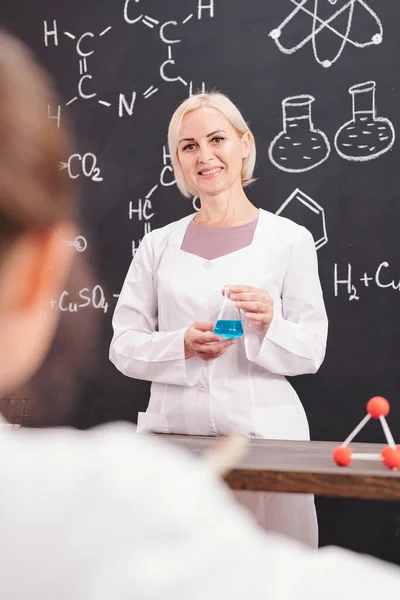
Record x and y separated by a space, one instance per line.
256 303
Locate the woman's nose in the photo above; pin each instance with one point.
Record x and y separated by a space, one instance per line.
205 154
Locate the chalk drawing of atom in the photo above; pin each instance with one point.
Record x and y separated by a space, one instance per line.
329 25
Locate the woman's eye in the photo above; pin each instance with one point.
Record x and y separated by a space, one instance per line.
188 147
217 139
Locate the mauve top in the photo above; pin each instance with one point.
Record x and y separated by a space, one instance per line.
212 242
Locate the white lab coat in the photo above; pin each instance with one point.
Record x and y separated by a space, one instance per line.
108 515
167 289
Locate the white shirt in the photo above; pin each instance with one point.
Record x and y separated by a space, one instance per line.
109 515
167 289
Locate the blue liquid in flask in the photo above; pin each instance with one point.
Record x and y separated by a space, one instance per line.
229 329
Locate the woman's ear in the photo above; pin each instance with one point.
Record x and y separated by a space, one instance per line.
33 271
36 267
246 140
57 259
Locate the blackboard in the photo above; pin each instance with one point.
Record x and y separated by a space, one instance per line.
330 66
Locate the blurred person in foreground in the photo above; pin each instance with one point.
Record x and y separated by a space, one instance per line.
107 513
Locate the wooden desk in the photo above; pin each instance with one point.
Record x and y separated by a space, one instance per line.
303 467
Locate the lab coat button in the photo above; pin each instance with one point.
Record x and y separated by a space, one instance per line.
207 264
203 390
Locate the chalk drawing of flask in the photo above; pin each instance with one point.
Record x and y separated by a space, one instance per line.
299 147
366 136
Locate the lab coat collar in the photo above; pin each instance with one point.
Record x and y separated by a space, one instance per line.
176 238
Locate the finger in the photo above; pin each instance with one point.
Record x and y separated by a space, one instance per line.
252 307
259 317
247 289
226 289
246 297
213 349
242 288
207 338
205 356
203 325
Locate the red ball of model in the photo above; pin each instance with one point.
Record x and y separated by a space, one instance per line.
342 455
378 407
391 457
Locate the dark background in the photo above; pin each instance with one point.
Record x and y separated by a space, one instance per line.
233 52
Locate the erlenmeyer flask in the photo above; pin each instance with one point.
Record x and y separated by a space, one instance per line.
229 323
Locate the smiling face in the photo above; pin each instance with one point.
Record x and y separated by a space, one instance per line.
211 151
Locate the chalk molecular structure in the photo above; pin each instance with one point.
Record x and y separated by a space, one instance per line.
377 408
321 22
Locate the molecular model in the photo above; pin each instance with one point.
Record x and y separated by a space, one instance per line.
377 408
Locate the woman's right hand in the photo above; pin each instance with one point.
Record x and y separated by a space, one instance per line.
202 342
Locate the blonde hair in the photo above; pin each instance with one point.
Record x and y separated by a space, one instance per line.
231 112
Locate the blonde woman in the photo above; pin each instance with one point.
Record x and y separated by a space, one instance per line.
203 384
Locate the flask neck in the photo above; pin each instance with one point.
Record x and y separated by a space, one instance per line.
297 114
363 98
227 292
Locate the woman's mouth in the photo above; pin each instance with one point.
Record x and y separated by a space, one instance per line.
210 173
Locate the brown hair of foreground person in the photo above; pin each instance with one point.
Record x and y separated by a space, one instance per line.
37 207
34 193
